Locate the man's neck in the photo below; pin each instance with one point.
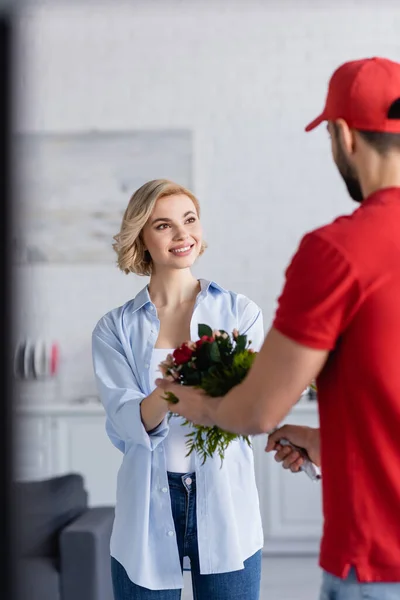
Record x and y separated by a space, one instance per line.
381 174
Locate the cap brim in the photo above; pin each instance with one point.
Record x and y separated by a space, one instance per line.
316 122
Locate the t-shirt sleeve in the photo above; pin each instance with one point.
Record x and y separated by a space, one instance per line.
320 295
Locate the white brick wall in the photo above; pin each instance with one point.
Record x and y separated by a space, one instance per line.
246 77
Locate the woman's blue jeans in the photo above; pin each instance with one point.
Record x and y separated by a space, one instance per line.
236 585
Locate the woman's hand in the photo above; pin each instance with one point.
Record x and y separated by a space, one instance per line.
193 404
153 410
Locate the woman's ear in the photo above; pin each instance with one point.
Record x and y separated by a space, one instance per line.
142 241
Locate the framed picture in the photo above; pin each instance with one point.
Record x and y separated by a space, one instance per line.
73 188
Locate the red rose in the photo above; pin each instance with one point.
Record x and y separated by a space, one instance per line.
182 355
203 339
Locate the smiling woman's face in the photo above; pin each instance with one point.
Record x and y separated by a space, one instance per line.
173 234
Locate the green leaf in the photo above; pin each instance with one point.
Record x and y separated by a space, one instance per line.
213 370
204 330
171 398
241 341
215 354
192 378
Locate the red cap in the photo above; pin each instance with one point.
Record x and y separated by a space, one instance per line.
361 92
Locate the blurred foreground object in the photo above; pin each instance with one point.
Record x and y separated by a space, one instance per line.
6 41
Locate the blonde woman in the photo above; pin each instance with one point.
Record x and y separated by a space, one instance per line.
170 506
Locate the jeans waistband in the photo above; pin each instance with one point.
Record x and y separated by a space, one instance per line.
181 481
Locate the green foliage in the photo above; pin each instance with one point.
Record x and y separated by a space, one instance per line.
241 342
204 330
215 354
171 398
208 441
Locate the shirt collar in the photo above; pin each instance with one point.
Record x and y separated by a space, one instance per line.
143 297
382 196
205 285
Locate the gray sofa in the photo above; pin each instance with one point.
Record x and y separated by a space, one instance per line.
62 545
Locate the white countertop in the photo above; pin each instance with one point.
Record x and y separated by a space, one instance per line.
66 408
93 407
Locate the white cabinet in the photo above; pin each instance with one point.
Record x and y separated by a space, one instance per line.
291 503
32 456
54 440
82 445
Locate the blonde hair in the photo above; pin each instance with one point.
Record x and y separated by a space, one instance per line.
129 246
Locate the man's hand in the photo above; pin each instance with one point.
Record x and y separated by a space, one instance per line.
194 404
304 437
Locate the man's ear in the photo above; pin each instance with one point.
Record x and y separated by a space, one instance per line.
346 136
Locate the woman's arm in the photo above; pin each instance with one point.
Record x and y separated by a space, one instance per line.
153 409
121 395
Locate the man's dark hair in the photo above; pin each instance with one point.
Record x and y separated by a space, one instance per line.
384 142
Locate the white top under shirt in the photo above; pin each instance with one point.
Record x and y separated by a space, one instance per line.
175 442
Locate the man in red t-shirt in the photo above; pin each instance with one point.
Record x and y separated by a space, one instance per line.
338 321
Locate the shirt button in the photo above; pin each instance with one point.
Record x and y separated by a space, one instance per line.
147 365
164 490
188 480
160 450
170 533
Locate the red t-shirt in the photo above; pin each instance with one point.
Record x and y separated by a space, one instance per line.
342 293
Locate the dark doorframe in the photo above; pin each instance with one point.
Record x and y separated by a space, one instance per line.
6 354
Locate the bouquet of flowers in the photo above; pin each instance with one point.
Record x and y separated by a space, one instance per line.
216 362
